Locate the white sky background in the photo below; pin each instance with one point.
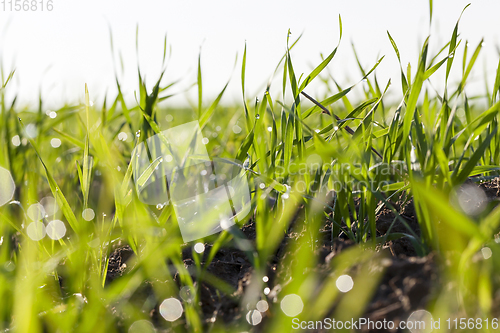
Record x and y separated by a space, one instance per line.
62 50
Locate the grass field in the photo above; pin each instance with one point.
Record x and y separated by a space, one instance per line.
360 208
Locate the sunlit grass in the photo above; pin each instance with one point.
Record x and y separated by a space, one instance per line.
295 153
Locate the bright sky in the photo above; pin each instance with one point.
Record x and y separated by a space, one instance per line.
63 49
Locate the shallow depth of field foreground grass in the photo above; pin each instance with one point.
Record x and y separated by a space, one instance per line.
377 213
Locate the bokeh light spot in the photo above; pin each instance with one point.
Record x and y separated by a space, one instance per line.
36 231
344 283
56 229
292 305
7 186
171 309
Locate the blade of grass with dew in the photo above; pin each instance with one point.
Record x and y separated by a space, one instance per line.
56 192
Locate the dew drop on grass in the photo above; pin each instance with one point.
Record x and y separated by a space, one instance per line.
204 141
267 291
292 305
168 158
257 116
52 114
36 231
56 229
262 185
88 214
171 309
142 326
138 133
265 279
159 206
218 128
344 283
169 117
7 186
269 129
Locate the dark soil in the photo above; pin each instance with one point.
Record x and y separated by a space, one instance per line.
408 284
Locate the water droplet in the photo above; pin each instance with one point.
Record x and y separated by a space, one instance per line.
138 133
171 309
265 279
159 206
269 129
267 291
204 141
292 305
203 172
451 55
262 185
52 114
344 283
218 128
169 117
257 116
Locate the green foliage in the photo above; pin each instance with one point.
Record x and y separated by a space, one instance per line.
296 154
